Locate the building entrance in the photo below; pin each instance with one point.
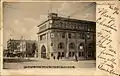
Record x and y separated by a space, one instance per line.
43 52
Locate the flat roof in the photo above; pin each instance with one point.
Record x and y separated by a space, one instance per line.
67 19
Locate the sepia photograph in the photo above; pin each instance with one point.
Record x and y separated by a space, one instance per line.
49 35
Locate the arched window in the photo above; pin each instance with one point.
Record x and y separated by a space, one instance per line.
82 35
71 45
81 46
61 46
81 50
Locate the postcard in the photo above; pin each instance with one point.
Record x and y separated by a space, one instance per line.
60 37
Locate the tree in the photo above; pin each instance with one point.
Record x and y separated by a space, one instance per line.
34 47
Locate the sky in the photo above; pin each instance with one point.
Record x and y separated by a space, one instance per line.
20 19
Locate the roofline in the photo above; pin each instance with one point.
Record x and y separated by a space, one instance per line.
65 30
66 19
43 22
72 19
20 40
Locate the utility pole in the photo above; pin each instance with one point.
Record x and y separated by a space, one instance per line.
86 47
76 53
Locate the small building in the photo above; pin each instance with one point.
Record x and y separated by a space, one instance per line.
66 38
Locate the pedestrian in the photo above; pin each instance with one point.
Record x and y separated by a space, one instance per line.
76 58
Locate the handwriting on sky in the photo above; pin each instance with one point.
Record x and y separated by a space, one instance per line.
107 28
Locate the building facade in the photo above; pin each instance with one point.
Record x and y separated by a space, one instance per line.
12 45
28 48
22 48
66 38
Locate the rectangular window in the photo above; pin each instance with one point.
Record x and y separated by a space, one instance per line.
63 35
69 54
73 53
62 54
82 54
82 35
69 36
89 54
51 44
79 54
52 35
51 54
59 54
42 36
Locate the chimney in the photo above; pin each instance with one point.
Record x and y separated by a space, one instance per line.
52 15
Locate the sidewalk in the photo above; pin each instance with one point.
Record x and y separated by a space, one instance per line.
45 62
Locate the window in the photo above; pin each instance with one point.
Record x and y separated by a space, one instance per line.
82 35
60 46
62 54
92 36
59 24
89 54
71 45
69 36
63 35
51 44
73 35
73 53
69 54
42 36
59 54
90 45
81 46
51 21
52 35
88 35
51 54
81 54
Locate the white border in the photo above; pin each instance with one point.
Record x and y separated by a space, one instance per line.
77 71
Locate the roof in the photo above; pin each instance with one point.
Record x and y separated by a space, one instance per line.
67 19
22 40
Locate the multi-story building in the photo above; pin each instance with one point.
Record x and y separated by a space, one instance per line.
23 48
12 44
66 38
28 48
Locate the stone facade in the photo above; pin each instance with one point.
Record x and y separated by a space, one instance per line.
66 38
